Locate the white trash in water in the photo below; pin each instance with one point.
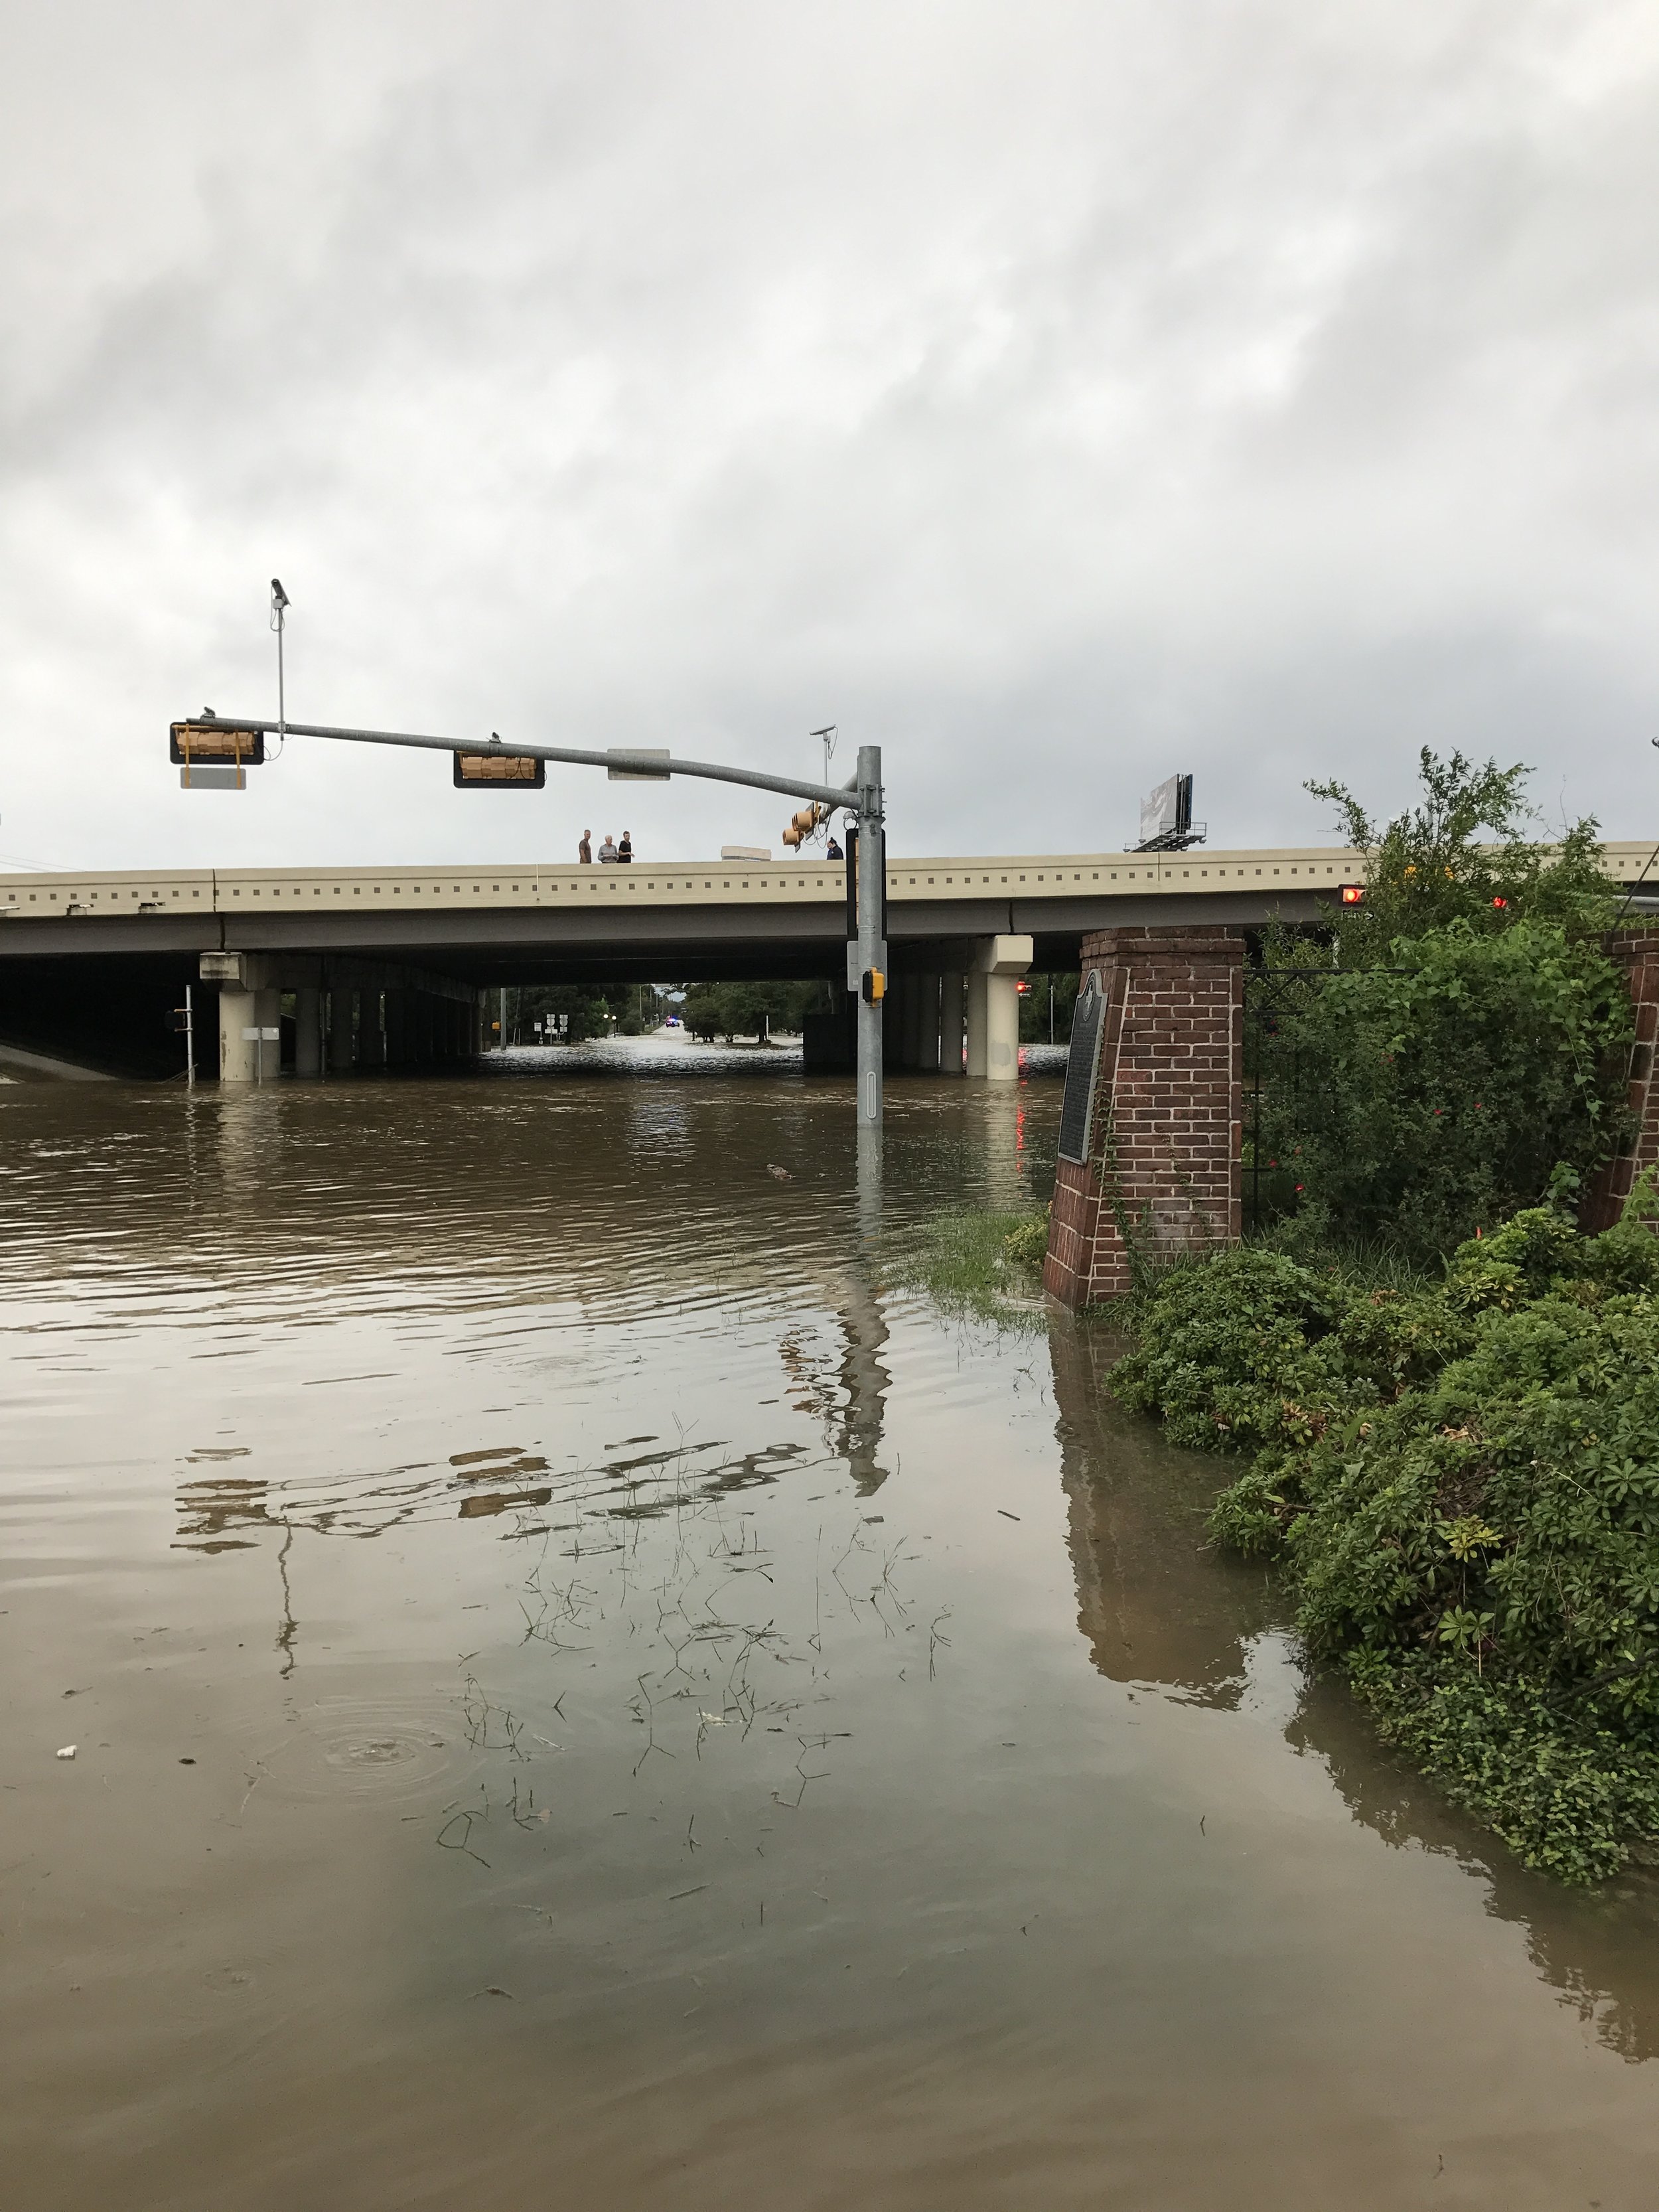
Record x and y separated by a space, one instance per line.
68 1750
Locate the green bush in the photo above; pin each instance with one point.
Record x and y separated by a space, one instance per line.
1463 1482
1432 1060
1027 1247
1434 1096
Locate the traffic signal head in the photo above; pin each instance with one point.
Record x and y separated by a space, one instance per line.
1353 894
211 756
494 771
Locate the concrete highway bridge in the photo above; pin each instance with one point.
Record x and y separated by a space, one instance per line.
389 965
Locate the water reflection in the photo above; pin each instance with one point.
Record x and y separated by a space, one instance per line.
690 1771
1159 1608
1154 1604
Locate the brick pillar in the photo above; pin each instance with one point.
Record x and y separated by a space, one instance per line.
1165 1150
1637 951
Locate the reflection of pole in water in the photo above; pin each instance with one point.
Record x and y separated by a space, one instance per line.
290 1627
865 1381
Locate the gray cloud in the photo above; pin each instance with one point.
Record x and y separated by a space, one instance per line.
1057 397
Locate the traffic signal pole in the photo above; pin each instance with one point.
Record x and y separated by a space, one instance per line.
862 797
871 956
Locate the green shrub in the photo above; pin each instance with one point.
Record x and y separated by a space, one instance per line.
1463 1039
1027 1247
1433 1097
1464 1484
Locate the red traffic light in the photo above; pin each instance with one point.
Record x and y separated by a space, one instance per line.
1353 894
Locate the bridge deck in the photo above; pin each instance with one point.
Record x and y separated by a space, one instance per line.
1028 878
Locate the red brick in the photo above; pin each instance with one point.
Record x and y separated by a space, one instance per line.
1171 1075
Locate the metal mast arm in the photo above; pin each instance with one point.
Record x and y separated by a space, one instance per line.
650 765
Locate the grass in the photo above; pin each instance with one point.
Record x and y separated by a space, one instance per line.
989 1265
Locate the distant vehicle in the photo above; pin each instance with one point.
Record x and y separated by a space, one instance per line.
673 1022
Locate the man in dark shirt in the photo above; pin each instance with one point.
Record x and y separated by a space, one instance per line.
585 850
625 850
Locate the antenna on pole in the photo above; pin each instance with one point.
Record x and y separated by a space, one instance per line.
278 608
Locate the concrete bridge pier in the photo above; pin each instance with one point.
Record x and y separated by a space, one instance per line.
244 1058
237 1014
994 1008
308 1032
952 1020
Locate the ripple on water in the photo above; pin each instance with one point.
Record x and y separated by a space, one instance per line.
394 1750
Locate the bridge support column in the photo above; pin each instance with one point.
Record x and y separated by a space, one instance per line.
238 1013
308 1032
371 1037
339 1032
1161 1174
994 1008
245 1058
953 1017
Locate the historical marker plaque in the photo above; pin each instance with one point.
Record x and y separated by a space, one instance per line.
1076 1111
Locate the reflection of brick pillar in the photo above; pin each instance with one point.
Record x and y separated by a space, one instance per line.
1163 1154
1636 951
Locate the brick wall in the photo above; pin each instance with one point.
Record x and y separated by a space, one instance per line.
1165 1151
1637 950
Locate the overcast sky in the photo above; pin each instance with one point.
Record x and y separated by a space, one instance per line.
1057 395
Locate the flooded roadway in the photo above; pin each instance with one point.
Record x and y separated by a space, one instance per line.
587 1693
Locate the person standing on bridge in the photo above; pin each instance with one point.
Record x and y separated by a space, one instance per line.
585 850
607 851
625 850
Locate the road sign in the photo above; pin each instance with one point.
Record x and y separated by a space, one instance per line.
636 774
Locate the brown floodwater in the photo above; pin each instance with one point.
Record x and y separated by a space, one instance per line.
588 1692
